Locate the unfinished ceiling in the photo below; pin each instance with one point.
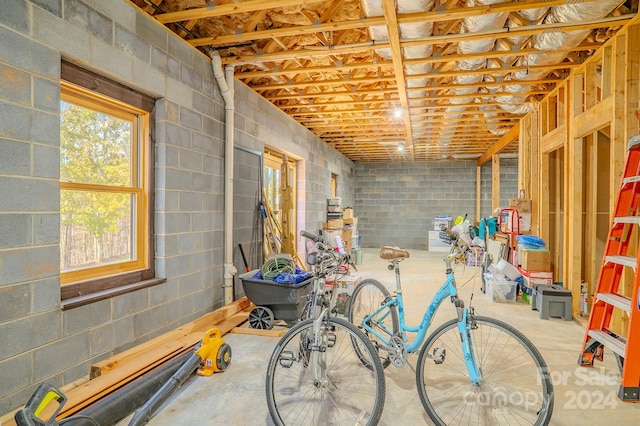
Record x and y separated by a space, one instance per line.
400 80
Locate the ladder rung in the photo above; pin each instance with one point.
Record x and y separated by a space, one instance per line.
616 300
627 219
631 179
622 260
616 344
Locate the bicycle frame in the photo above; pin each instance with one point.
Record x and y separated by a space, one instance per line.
448 289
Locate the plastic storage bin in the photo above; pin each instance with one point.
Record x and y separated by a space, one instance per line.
499 290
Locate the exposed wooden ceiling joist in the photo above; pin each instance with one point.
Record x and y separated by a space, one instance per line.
318 61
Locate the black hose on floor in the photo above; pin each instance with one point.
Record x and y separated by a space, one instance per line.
144 414
116 406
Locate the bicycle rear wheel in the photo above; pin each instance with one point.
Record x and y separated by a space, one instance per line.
367 297
515 389
348 391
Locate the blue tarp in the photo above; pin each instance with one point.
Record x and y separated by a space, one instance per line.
285 278
530 241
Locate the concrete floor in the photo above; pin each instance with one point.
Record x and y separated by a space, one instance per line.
237 396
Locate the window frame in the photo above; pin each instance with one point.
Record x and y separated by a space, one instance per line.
88 89
274 160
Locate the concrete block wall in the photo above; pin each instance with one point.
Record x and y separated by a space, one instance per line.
397 202
38 340
508 184
260 124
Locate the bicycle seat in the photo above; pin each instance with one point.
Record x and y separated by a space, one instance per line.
391 253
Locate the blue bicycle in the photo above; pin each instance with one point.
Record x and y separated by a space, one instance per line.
471 370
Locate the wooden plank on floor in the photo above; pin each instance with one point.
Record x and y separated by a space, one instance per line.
145 357
201 325
257 332
93 390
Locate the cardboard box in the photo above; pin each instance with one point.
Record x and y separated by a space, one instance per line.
348 282
436 244
334 224
350 221
523 205
441 220
347 213
330 236
535 260
532 278
525 222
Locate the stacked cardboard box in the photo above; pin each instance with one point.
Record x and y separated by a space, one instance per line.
523 205
346 228
535 260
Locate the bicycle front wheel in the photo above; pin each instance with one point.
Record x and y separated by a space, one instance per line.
367 297
328 383
515 387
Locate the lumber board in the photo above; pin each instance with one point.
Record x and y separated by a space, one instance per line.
93 390
257 332
201 325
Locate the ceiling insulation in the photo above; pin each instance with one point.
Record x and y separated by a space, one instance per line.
399 80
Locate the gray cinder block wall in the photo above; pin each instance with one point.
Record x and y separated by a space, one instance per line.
396 202
39 341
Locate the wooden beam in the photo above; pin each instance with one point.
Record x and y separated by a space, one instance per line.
478 192
228 9
499 146
495 182
357 81
553 140
294 31
432 40
383 64
596 117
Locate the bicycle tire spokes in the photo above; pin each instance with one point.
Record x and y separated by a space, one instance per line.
514 389
368 296
345 391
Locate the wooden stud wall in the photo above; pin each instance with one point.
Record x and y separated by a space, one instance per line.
558 153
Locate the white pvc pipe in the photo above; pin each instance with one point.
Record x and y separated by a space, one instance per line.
226 88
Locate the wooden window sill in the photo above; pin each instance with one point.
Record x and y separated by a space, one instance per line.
74 302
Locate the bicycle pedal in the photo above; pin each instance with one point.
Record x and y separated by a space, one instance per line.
438 356
286 359
331 340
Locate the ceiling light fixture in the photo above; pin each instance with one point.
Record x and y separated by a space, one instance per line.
398 113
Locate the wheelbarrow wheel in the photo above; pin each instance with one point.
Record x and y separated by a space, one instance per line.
261 318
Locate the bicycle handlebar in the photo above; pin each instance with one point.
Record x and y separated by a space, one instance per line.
329 254
310 236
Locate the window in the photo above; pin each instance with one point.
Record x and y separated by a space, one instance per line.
274 170
105 163
272 165
334 185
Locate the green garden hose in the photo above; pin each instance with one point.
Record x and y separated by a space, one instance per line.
277 265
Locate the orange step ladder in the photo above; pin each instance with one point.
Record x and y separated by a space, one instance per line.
615 260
